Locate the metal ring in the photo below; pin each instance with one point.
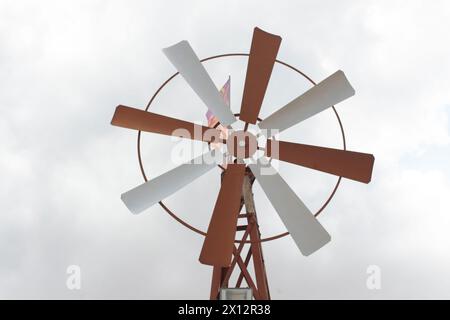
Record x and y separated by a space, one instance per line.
187 225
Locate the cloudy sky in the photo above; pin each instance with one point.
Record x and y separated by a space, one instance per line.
65 65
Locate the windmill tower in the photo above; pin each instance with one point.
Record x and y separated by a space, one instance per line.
245 157
250 237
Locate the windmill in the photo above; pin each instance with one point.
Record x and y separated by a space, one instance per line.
245 156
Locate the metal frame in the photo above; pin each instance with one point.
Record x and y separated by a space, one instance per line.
187 225
221 276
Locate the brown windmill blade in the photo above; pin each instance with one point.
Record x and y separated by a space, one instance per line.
137 119
263 53
348 164
219 241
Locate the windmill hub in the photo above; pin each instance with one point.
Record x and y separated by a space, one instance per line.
242 144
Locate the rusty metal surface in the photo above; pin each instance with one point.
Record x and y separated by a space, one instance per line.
349 164
255 248
219 241
136 119
263 53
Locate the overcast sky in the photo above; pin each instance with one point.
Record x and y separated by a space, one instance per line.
65 65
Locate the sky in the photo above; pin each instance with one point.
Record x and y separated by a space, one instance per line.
66 65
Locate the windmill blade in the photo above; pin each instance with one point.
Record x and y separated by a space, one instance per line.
305 229
327 93
263 53
348 164
183 57
219 241
159 188
136 119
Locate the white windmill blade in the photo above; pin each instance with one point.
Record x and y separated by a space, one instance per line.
325 94
157 189
183 57
305 229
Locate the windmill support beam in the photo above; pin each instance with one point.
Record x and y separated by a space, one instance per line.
241 275
256 280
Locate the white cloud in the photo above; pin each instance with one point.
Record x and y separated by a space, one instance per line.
64 66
